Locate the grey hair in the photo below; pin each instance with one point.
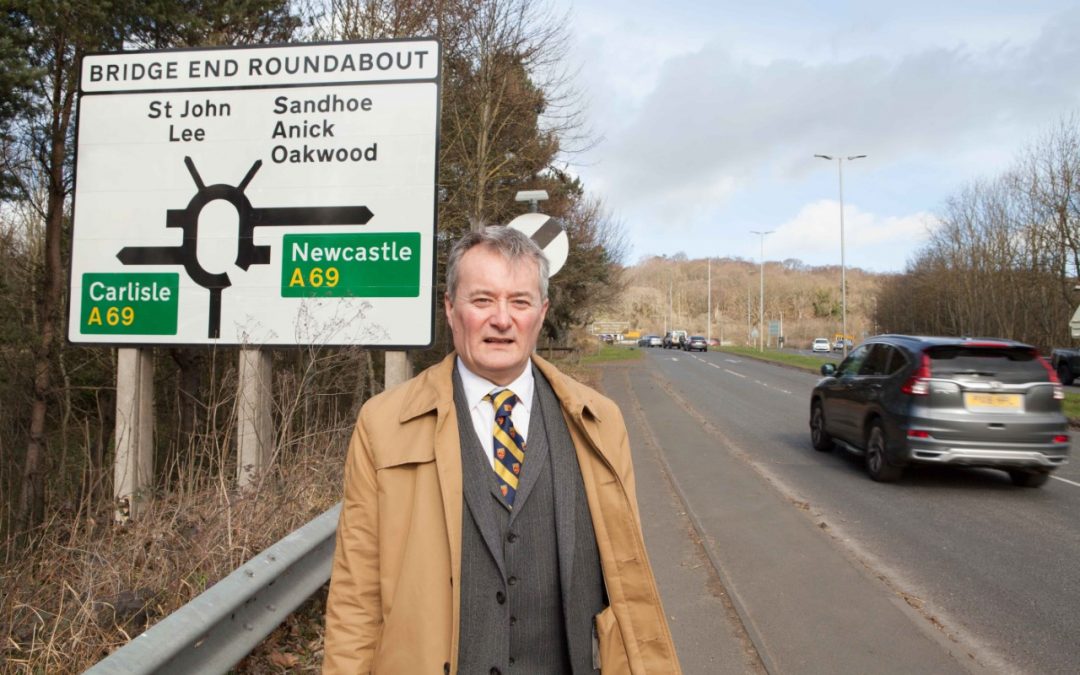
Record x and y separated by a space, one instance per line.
512 244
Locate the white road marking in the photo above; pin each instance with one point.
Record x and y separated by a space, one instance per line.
1065 480
734 373
733 360
714 365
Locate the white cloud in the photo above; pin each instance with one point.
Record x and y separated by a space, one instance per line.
712 117
871 241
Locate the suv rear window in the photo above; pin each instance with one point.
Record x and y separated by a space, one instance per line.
1008 364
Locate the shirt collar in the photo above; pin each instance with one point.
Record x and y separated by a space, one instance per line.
476 387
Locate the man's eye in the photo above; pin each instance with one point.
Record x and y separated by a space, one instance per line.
522 304
481 302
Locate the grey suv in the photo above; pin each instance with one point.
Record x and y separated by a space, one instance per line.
901 400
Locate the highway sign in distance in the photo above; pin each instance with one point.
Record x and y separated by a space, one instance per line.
259 196
548 234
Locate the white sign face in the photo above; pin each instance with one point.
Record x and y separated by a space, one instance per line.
258 196
548 235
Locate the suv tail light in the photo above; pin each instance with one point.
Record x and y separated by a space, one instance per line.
919 382
1059 391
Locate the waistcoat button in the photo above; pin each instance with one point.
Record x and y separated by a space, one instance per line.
500 597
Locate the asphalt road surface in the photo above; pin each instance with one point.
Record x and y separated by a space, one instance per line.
985 572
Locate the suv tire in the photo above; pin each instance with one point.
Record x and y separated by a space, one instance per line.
1030 479
1065 374
877 459
820 438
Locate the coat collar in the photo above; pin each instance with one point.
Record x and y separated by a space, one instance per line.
433 390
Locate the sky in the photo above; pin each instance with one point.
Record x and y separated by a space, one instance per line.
706 117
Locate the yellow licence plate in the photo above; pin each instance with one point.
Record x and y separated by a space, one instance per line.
1002 402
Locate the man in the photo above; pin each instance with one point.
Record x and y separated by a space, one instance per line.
490 521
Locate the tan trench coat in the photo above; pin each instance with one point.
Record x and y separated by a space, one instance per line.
393 607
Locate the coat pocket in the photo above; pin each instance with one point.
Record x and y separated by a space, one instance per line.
407 455
609 652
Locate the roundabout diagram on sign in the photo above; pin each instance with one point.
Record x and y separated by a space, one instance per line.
248 253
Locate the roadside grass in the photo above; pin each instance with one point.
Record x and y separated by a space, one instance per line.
607 353
808 363
1071 406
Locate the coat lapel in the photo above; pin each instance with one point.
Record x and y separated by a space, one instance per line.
563 479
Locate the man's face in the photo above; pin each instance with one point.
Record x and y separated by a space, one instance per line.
496 315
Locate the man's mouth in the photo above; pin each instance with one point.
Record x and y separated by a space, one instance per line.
498 341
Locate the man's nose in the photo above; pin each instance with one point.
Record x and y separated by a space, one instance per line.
500 315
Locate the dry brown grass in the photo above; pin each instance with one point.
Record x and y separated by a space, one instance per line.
88 585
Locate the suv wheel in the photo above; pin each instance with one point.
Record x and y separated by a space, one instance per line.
1031 479
820 438
877 463
1064 374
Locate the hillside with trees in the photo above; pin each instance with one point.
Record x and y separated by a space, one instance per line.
673 292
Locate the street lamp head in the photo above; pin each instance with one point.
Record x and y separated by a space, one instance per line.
824 156
855 157
530 195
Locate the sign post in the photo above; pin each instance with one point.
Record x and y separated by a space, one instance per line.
254 197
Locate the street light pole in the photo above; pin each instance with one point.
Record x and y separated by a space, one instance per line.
843 264
761 297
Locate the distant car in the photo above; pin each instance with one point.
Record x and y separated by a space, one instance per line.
696 343
900 400
656 341
713 342
674 339
821 345
839 345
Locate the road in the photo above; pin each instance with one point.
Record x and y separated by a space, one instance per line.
985 570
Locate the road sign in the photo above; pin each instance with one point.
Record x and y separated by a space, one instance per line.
548 235
260 196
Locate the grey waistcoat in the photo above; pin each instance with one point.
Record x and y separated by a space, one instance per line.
531 580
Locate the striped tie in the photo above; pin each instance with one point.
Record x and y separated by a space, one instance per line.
509 444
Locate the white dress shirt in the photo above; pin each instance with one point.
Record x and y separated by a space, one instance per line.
483 413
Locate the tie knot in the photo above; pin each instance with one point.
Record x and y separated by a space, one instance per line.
503 402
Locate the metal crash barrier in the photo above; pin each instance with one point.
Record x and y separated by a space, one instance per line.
214 631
